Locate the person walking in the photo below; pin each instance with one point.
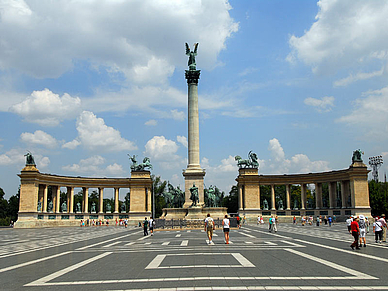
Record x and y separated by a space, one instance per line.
318 220
355 233
145 226
384 224
274 224
348 223
238 221
330 220
209 227
151 223
225 225
270 224
294 220
378 230
362 226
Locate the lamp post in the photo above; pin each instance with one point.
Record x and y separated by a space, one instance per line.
375 162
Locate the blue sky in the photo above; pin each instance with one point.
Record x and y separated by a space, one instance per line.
83 83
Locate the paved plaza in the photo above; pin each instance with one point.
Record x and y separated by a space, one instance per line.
115 258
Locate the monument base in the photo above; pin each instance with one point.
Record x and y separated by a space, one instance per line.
194 213
194 176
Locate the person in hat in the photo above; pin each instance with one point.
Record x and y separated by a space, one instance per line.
362 226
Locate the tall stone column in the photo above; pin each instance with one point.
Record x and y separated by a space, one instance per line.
58 199
303 197
344 192
45 198
101 200
318 195
273 200
86 199
332 194
193 174
288 196
70 195
116 200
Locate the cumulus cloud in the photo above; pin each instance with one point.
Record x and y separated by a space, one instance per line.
299 163
129 37
71 145
344 31
370 114
151 122
39 137
94 166
94 134
47 108
182 140
178 115
322 105
163 151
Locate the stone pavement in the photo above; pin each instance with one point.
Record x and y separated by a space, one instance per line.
115 258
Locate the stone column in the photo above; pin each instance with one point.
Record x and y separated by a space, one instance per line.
303 197
240 198
344 193
332 192
85 190
193 173
45 198
70 195
318 195
58 200
101 200
149 199
273 201
288 196
116 200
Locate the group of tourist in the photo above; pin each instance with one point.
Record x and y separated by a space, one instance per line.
148 224
100 222
359 227
210 226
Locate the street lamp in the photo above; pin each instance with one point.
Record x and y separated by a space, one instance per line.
375 162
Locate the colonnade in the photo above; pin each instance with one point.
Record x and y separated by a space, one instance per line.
352 184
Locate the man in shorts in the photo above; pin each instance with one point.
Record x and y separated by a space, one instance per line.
355 233
209 226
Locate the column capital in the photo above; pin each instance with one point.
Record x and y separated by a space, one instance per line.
192 76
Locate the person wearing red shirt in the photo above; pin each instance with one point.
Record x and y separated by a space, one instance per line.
355 233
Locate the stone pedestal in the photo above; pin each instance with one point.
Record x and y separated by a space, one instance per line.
194 177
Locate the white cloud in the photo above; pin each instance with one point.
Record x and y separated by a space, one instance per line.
94 134
322 105
46 108
182 140
178 115
71 145
370 114
44 38
94 166
151 122
299 163
359 76
39 137
163 151
345 33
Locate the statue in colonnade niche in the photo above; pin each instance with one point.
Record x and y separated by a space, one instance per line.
324 202
93 208
295 204
78 207
39 206
338 202
50 207
265 204
280 204
310 203
64 207
108 207
123 207
194 195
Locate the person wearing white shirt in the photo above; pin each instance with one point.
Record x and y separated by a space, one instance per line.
226 227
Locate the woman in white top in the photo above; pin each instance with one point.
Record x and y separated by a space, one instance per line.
226 224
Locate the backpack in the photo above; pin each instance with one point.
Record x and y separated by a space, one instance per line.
209 223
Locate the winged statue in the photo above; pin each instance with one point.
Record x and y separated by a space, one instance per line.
191 54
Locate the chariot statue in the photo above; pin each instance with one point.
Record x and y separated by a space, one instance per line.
29 159
357 156
251 162
194 195
139 167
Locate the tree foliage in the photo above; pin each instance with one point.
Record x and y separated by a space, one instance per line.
378 194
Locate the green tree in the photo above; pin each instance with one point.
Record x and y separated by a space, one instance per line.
378 194
158 187
231 201
13 206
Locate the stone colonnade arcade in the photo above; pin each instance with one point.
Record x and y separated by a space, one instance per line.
34 189
354 198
